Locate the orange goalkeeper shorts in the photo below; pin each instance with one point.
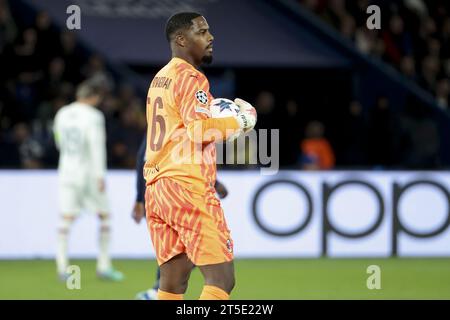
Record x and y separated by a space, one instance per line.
180 221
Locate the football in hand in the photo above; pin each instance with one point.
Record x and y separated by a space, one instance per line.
222 108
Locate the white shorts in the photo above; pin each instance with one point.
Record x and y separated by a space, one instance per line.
73 199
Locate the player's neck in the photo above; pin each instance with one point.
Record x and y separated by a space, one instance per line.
186 58
87 102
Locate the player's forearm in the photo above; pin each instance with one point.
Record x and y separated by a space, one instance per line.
212 129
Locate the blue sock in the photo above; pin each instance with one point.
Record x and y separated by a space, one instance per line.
158 275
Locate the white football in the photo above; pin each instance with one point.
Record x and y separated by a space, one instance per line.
222 108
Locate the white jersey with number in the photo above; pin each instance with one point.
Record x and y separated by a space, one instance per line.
80 137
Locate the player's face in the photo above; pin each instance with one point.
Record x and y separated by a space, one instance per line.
200 40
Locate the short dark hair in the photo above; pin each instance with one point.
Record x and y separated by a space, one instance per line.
178 21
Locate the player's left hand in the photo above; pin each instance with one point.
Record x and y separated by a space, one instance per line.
248 110
221 190
138 212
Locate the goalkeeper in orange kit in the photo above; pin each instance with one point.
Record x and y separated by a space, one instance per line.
138 212
185 219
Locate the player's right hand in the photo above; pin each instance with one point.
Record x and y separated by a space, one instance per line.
247 115
138 212
221 190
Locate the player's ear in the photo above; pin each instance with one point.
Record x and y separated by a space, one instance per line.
180 39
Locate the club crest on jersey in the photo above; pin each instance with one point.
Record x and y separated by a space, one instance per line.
229 246
201 96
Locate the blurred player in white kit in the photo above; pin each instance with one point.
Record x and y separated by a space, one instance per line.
79 130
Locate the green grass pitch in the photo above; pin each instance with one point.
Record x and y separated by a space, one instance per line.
256 279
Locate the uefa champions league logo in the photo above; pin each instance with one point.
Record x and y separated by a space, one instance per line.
202 97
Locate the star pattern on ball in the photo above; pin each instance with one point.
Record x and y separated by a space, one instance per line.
224 105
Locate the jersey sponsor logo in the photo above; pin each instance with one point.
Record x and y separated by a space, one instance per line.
201 97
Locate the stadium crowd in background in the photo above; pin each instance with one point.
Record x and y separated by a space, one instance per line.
414 37
41 65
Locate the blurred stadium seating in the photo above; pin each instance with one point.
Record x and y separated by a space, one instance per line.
381 86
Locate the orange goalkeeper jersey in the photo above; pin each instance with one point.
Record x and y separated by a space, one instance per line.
177 97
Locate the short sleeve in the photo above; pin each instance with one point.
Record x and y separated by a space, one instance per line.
193 96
